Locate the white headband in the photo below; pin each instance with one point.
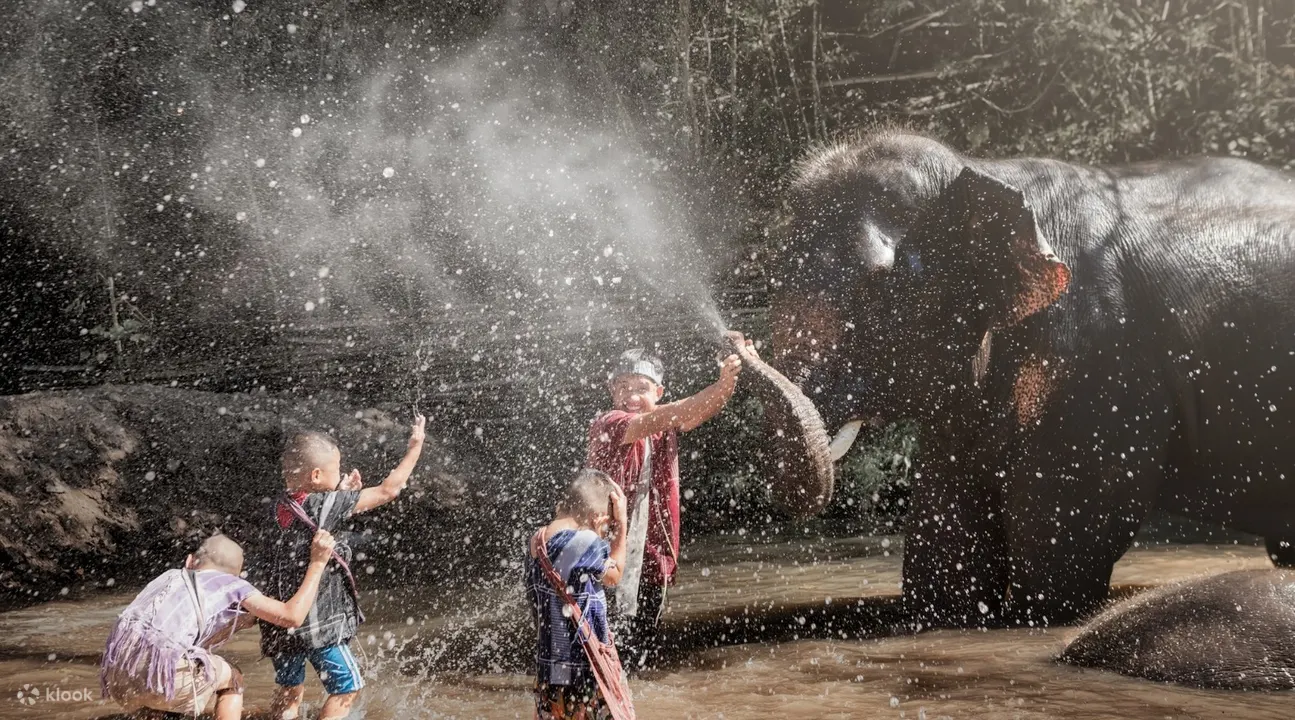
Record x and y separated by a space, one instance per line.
640 367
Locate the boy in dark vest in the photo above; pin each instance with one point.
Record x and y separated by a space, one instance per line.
317 496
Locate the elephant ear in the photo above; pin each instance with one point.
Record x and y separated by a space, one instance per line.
988 232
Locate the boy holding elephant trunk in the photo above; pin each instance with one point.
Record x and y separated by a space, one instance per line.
637 444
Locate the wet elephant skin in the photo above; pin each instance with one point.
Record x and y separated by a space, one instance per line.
1079 344
1233 631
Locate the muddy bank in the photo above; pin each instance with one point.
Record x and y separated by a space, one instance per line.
110 485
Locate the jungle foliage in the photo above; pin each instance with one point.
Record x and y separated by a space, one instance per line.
748 87
727 93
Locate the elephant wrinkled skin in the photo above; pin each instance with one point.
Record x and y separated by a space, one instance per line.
1233 631
1080 345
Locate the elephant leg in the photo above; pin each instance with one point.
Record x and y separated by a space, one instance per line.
1281 551
1065 540
955 555
1080 482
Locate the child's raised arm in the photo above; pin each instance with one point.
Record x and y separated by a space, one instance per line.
690 412
616 562
389 490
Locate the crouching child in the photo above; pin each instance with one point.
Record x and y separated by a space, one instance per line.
160 653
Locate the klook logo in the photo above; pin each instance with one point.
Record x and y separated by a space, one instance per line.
30 695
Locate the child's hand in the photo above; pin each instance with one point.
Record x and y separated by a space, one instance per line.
352 481
617 499
417 432
729 368
743 345
321 547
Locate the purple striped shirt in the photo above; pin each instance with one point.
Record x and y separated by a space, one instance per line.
161 627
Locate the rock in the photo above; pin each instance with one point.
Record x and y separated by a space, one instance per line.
122 481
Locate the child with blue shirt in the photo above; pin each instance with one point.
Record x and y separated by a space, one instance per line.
592 505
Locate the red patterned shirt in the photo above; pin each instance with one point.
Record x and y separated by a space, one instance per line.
624 462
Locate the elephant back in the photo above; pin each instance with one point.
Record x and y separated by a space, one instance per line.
1233 631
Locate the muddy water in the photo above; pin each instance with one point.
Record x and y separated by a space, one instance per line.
788 629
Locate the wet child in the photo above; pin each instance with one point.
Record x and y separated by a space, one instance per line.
637 444
591 507
317 496
160 654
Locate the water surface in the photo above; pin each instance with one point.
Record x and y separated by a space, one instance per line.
796 629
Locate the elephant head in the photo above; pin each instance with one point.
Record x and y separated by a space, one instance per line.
899 262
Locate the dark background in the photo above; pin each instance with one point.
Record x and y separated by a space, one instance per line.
142 239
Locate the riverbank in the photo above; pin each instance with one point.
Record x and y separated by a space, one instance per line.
106 486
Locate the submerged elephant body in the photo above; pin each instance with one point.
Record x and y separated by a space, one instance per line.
1081 345
1232 631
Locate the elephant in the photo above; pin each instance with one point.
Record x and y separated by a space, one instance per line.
1080 345
1232 631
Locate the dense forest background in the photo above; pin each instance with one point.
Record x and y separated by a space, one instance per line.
468 206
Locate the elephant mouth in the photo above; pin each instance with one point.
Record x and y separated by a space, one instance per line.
844 438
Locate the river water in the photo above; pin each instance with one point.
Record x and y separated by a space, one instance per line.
792 628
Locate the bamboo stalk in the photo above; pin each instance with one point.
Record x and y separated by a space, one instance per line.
1261 49
773 75
900 77
113 315
1151 91
816 26
710 74
791 73
1249 36
685 44
733 37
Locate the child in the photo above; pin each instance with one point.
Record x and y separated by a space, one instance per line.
637 444
159 654
565 686
316 495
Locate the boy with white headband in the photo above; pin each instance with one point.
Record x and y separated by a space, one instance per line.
637 444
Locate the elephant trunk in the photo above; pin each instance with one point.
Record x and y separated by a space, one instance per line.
798 462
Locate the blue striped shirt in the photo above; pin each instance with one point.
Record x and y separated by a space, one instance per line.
579 556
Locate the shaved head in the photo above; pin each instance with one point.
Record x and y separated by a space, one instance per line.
587 495
218 552
306 451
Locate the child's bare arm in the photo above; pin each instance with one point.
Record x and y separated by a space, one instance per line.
692 411
293 613
617 560
389 490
